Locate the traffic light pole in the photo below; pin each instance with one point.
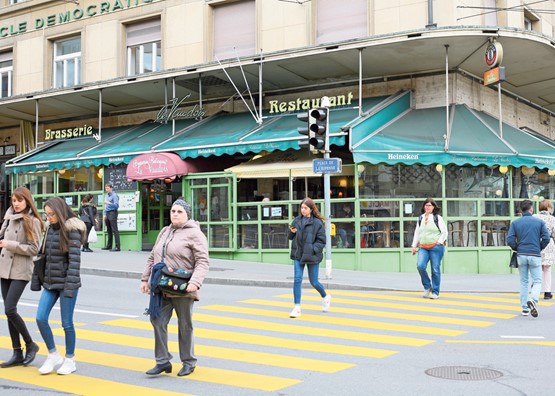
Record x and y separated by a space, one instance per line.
327 191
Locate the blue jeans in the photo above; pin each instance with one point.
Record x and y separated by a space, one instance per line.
313 270
67 305
534 265
434 255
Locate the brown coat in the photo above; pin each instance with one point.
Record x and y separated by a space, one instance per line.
16 259
186 247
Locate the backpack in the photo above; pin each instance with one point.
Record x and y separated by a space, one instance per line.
436 220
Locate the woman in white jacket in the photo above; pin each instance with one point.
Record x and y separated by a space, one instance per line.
548 254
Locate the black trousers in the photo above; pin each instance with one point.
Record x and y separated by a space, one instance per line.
112 228
12 289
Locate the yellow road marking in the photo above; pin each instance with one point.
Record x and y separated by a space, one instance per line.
441 301
328 319
203 374
254 339
543 343
428 307
381 314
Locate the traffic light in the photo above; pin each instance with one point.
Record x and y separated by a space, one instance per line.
315 129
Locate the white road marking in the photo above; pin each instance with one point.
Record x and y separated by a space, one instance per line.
516 336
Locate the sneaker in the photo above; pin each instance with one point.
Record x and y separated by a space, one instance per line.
326 303
53 360
533 308
525 312
295 313
547 296
67 367
434 296
426 293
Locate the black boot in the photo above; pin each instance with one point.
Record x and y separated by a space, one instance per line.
547 296
30 353
15 360
160 368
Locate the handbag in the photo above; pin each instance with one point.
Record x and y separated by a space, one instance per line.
514 260
93 237
40 260
173 280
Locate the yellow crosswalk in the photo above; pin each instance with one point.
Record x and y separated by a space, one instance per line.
267 350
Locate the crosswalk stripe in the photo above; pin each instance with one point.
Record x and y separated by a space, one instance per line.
429 307
329 319
255 339
201 373
234 354
381 314
441 301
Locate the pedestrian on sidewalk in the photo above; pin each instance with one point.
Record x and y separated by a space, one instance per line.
528 236
179 245
548 254
87 213
308 238
20 240
429 236
111 206
61 280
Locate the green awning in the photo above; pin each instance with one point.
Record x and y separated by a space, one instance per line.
118 145
420 137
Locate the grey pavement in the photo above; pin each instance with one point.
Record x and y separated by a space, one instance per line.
129 264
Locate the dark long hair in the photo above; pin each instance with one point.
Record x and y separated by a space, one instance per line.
312 206
430 200
63 212
29 213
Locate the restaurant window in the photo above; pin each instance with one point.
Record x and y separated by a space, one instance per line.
144 48
234 30
79 181
6 74
341 20
399 181
532 183
67 62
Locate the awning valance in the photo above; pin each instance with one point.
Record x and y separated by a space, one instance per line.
156 166
420 137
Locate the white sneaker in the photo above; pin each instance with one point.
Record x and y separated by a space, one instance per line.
434 296
426 293
295 313
326 303
67 367
53 360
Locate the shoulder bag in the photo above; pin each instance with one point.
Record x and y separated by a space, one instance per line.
514 260
40 260
173 281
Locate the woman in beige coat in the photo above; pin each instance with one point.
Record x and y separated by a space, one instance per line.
179 245
20 240
548 254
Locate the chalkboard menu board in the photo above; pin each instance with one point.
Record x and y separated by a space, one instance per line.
115 175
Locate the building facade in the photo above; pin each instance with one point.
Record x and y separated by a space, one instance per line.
200 98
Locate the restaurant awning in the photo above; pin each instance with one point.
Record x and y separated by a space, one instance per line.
297 163
154 166
421 137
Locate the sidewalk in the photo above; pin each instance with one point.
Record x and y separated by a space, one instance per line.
127 264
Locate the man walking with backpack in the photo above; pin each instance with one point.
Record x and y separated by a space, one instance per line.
528 236
429 237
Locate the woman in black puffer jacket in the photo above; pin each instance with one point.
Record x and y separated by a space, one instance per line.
61 280
308 241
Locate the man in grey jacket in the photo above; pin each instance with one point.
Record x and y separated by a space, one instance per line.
528 235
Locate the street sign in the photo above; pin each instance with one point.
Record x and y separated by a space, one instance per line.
327 165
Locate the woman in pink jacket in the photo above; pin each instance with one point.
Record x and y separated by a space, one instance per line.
179 245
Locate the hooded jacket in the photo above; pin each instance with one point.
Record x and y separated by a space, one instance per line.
309 240
16 259
62 270
185 247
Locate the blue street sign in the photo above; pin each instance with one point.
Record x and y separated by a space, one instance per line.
327 165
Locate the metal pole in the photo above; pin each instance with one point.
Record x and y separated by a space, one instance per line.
327 192
173 101
447 132
500 110
100 115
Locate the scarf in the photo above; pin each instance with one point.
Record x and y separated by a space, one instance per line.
155 304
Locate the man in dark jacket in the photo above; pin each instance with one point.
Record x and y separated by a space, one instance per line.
528 235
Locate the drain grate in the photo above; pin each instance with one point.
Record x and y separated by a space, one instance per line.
464 373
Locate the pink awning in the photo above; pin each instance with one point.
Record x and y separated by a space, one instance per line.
153 166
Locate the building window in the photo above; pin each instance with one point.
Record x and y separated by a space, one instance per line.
67 62
16 1
531 21
144 47
6 74
341 20
234 30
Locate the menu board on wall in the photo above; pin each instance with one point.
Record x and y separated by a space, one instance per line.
127 221
127 200
116 176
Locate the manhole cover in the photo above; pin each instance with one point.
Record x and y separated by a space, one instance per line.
464 373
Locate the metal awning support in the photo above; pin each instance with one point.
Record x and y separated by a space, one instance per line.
99 138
